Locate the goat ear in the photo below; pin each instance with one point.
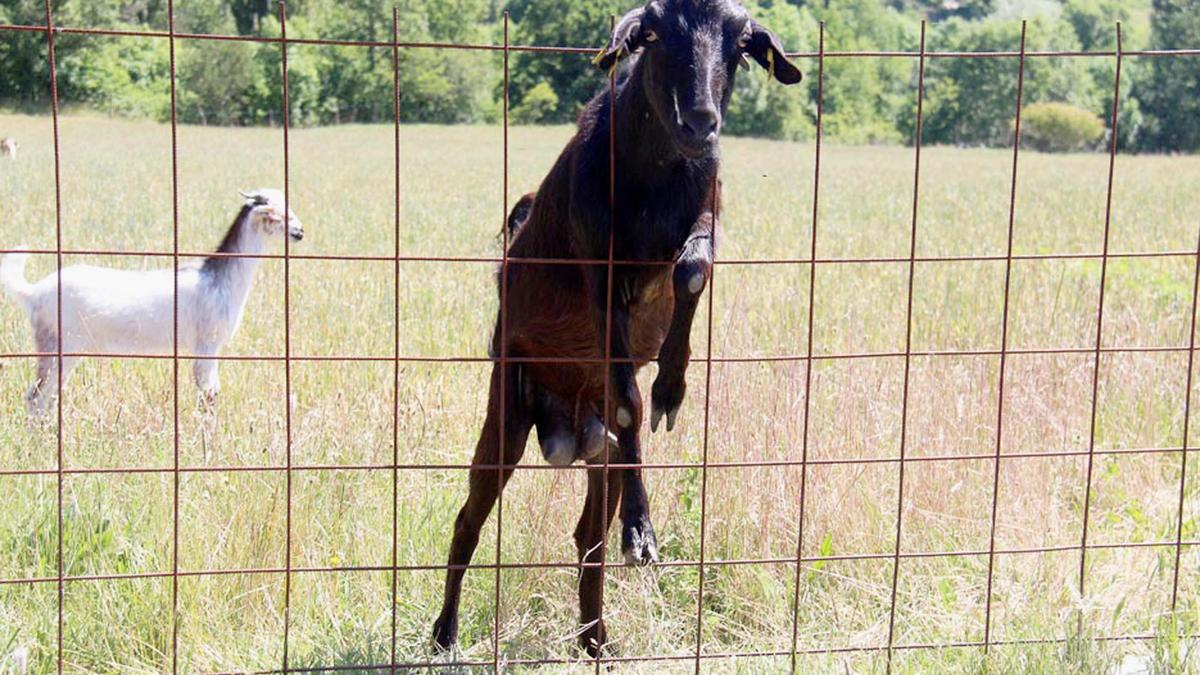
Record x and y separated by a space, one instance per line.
626 38
254 196
765 48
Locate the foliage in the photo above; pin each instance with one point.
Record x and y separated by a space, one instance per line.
972 101
557 22
1059 127
864 95
1168 97
866 100
538 105
760 106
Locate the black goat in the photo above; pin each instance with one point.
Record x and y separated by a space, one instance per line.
670 100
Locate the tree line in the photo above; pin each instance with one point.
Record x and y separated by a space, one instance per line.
968 101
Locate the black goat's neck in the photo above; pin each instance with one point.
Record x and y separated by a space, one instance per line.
644 144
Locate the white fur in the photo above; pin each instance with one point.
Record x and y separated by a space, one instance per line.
114 311
8 146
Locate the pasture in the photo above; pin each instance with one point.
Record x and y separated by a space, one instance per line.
116 195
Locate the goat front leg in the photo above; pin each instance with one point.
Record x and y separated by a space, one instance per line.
485 487
204 371
638 541
693 268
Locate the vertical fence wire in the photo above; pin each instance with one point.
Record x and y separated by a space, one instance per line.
174 345
608 300
1183 451
1091 456
808 363
712 277
58 347
502 457
396 329
287 335
1012 212
912 267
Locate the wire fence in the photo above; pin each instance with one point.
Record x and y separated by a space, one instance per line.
813 262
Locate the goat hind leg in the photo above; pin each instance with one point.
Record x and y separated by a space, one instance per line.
45 341
49 383
589 536
639 544
36 398
485 487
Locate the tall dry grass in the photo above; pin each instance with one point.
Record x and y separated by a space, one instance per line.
117 413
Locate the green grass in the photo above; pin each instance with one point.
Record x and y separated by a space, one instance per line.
116 194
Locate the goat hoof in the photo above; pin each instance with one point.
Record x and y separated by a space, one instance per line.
666 398
641 547
656 416
592 638
445 634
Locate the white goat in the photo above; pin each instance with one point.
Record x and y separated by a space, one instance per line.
8 146
132 312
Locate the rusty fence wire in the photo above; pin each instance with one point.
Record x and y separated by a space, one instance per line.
813 262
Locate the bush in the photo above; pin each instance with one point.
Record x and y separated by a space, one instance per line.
538 106
1059 127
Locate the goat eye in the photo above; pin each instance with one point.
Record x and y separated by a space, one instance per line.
650 36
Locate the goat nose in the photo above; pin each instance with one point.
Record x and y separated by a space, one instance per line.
700 123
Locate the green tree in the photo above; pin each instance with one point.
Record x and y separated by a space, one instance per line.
971 101
121 76
24 67
554 22
1094 21
863 96
1059 127
219 84
537 106
761 106
937 10
1168 98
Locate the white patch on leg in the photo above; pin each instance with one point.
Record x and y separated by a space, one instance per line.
624 417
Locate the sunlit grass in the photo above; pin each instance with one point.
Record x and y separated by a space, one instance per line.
118 413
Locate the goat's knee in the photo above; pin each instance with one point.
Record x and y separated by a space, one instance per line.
691 276
693 266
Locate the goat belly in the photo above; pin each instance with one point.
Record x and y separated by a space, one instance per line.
567 331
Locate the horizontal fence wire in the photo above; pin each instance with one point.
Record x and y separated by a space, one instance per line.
699 656
584 51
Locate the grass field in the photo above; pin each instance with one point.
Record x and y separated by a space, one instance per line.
116 194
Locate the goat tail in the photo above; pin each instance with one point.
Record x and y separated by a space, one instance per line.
12 277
